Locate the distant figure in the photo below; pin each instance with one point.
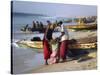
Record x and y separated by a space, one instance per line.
41 29
34 25
41 25
37 25
26 27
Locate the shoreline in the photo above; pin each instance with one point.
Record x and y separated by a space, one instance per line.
70 65
28 63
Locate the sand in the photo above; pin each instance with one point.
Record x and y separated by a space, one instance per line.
82 34
70 65
73 65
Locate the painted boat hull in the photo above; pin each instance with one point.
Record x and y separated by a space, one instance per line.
39 45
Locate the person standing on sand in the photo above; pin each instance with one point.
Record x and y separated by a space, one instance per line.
63 50
47 38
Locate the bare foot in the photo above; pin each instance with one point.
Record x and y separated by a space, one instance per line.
63 61
46 63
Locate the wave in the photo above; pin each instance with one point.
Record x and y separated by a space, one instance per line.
15 44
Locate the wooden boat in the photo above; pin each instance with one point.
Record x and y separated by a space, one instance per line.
83 46
83 26
32 44
39 45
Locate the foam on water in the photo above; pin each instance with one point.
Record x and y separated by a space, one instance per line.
15 44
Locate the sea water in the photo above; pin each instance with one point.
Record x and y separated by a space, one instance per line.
24 58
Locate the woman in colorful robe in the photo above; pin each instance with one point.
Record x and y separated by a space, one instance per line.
47 38
63 50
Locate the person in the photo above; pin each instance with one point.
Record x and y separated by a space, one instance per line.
37 25
49 31
41 25
53 56
63 49
46 50
26 27
46 39
34 25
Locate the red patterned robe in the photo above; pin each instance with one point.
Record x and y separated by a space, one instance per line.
46 47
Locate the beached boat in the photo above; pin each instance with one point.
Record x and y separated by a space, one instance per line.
32 44
83 26
83 46
39 45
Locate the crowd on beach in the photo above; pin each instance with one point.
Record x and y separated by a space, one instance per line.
36 26
39 26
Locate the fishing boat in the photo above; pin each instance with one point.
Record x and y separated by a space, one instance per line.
32 44
83 26
39 45
83 46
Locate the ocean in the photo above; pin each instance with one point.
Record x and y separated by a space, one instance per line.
24 58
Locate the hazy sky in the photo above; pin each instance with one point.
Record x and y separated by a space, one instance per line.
52 9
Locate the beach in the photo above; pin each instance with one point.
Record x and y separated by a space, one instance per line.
34 64
30 60
67 66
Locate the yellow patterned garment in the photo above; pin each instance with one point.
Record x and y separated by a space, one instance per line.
54 47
